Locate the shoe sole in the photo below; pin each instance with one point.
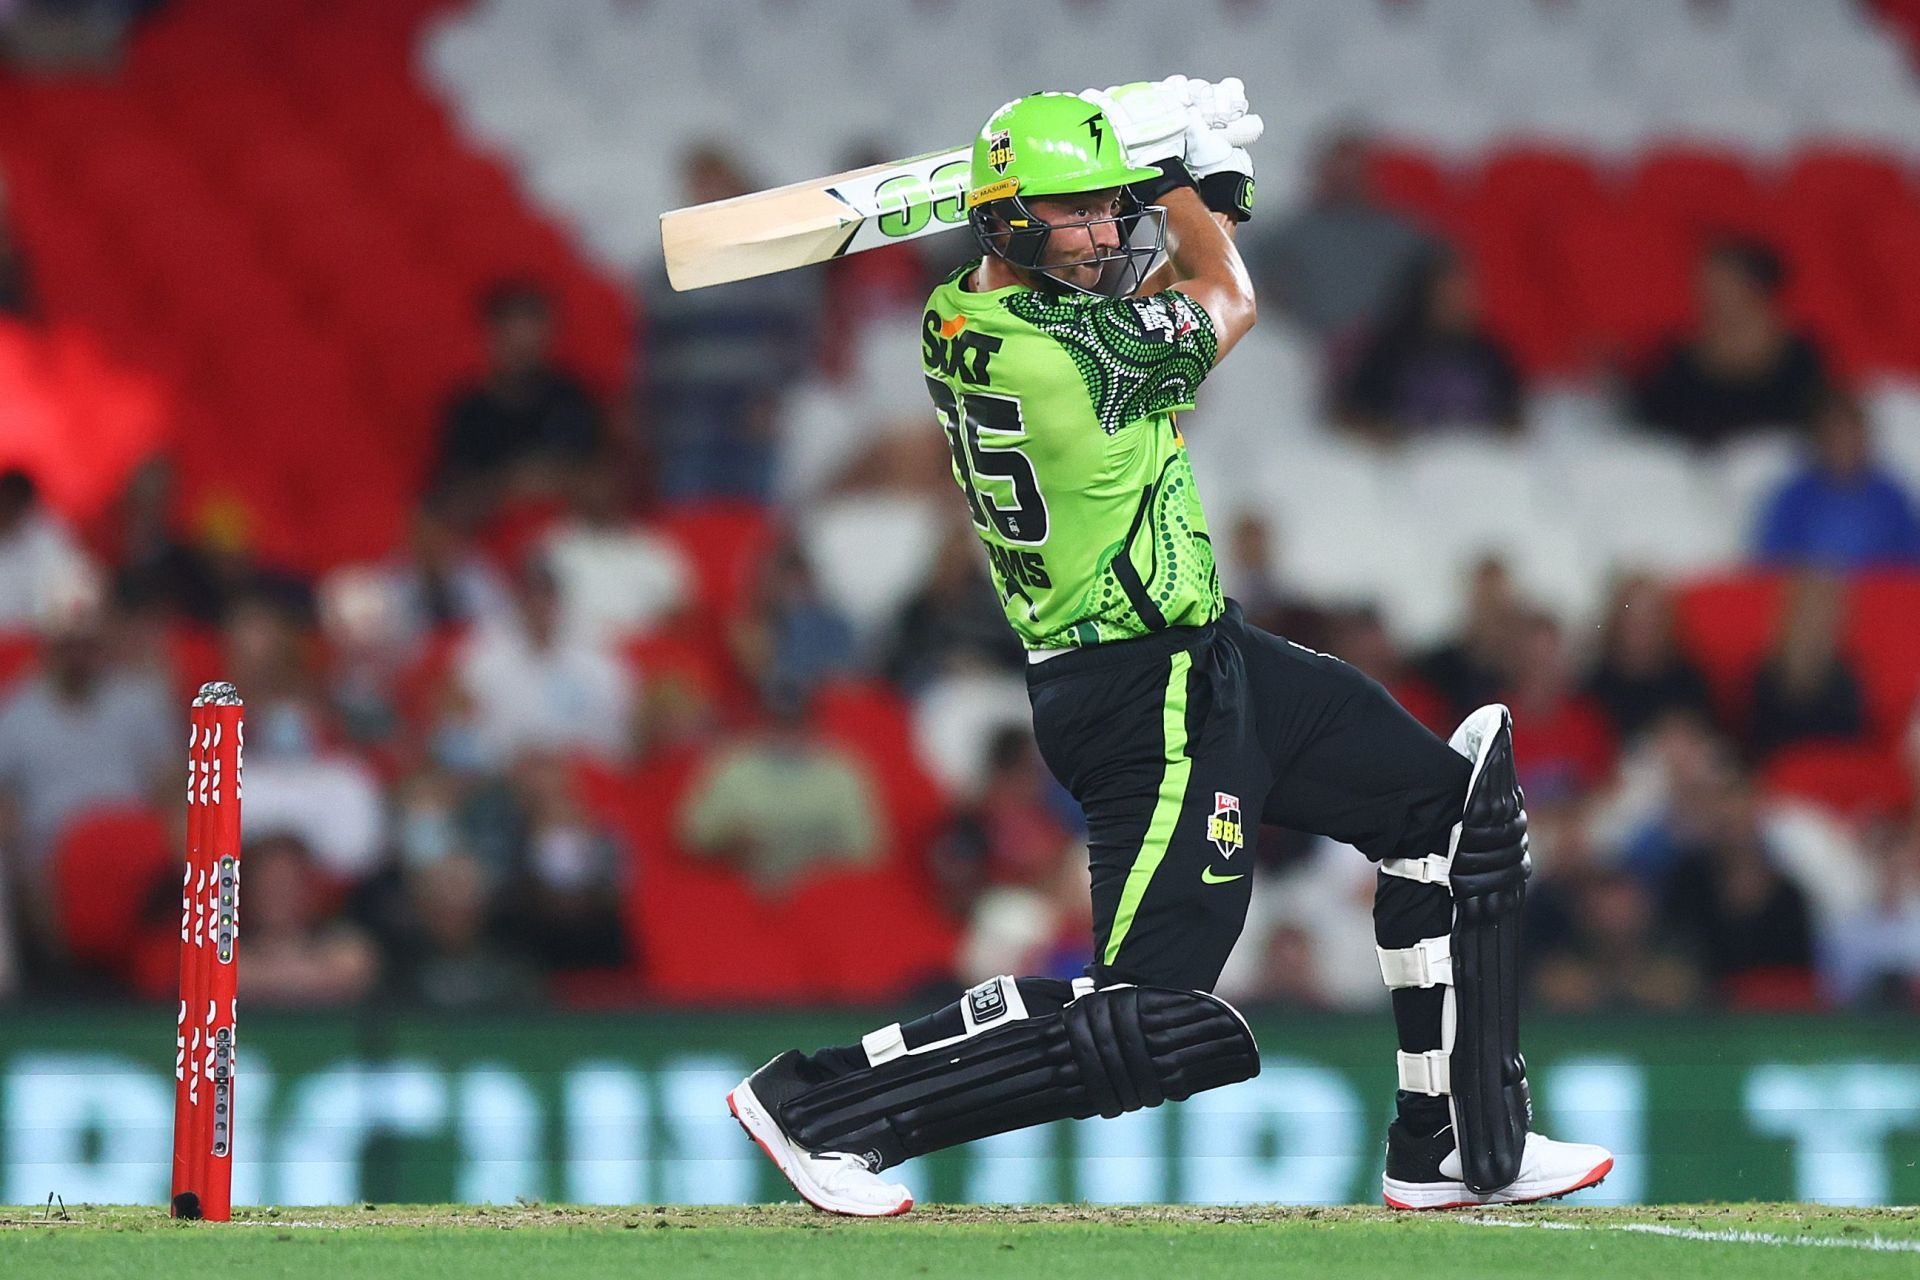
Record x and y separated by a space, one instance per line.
759 1127
1410 1195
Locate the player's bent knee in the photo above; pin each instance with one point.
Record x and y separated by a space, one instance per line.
1491 856
1137 1047
1491 1105
1103 1053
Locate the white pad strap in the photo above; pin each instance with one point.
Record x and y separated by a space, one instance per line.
982 1008
1427 963
1428 1073
884 1045
1432 869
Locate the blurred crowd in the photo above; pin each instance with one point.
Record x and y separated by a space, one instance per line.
447 748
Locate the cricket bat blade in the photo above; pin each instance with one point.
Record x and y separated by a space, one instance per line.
814 221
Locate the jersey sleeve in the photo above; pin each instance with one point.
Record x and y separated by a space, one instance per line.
1138 356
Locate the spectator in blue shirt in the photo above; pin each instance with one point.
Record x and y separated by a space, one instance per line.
1842 510
715 362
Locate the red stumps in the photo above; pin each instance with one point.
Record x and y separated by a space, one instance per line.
204 1058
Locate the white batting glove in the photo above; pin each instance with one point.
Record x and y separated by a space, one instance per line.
1150 119
1221 102
1211 149
1218 159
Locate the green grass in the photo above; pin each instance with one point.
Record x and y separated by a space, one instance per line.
1051 1242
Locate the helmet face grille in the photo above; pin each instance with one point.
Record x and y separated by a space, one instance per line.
1008 229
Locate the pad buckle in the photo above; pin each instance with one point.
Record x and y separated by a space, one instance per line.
1427 963
1432 869
1430 1073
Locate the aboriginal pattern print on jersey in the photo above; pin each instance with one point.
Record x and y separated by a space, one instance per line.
1121 348
1173 579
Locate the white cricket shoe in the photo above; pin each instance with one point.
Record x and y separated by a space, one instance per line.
1424 1173
836 1181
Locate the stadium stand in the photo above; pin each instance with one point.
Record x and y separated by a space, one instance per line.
268 213
259 248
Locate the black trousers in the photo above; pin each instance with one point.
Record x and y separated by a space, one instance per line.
1177 744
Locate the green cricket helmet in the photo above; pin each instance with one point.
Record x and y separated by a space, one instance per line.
1059 144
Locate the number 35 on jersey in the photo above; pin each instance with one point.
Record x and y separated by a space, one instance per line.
1003 493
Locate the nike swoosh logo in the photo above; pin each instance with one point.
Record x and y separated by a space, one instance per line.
1207 877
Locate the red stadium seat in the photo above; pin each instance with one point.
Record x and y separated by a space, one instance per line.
107 868
1835 200
896 902
1726 626
1857 782
1828 301
1776 989
18 649
1843 184
194 655
873 719
1889 250
1414 183
1523 308
1701 193
1627 283
1883 639
878 936
1529 180
724 542
703 935
1511 220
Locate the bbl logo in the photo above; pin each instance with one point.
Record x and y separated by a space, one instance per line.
1000 151
1223 828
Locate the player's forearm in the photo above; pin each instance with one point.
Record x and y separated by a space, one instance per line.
1208 267
1167 275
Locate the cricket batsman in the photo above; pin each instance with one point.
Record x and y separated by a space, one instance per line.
1057 363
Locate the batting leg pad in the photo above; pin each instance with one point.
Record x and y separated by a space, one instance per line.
1492 1111
1107 1052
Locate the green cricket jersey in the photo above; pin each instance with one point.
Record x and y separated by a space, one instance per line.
1059 411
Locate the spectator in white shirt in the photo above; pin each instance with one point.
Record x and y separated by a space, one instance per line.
616 579
38 556
437 581
87 731
529 683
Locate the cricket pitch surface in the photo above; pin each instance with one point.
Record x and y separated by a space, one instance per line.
966 1242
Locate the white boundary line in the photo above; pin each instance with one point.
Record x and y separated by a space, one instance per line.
1875 1243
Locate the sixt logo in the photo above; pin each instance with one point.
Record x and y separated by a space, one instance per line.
950 353
1000 150
1224 828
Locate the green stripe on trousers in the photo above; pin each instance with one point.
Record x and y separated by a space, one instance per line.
1166 810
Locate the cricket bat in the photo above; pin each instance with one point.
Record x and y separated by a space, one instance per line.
815 221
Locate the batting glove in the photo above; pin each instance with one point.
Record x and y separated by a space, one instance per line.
1220 102
1150 119
1217 155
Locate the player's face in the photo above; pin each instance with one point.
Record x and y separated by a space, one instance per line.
1084 229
